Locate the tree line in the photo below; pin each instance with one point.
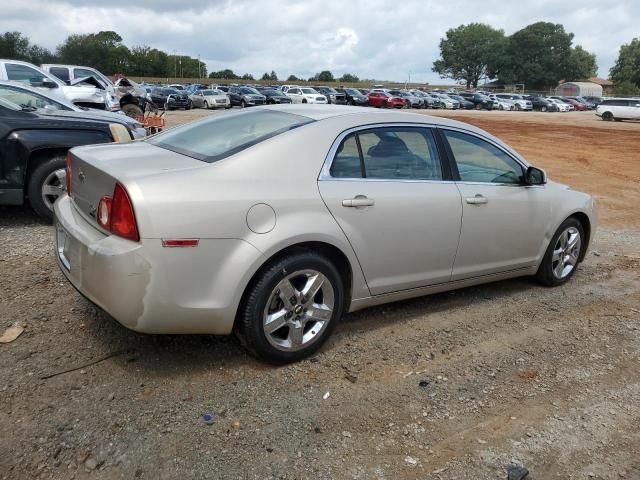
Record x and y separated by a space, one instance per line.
105 52
326 76
538 56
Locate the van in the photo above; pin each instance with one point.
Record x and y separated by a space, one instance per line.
619 109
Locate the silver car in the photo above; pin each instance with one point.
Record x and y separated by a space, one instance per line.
274 222
210 98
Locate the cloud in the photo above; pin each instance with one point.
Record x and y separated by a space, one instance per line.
380 39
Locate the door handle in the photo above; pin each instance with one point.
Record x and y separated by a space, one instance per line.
477 200
358 201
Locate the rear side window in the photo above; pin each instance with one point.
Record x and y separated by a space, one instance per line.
24 74
218 137
60 72
394 153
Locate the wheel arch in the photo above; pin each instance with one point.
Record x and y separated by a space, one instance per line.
584 220
39 156
328 250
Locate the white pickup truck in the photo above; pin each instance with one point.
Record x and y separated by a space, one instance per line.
81 94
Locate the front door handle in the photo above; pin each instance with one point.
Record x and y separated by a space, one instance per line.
477 200
358 201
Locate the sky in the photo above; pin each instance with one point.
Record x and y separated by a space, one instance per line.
381 39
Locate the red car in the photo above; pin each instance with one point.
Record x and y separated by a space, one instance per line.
576 104
385 100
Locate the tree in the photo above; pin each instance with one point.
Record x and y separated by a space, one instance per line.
272 76
265 76
324 76
226 74
470 53
627 67
292 78
16 46
145 61
581 64
103 51
540 55
626 88
247 76
349 78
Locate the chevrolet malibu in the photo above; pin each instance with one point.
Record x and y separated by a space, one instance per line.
274 222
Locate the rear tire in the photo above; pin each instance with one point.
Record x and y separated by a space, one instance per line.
561 260
46 184
243 104
607 116
297 333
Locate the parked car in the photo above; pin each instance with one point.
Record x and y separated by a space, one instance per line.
80 94
410 100
519 102
170 98
238 252
587 103
354 97
364 91
542 103
463 102
177 86
33 145
275 96
593 100
427 100
333 96
571 105
446 102
562 106
29 97
481 101
619 109
501 104
305 95
382 99
579 106
209 98
245 97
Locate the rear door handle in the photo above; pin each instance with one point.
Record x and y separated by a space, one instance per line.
358 201
477 200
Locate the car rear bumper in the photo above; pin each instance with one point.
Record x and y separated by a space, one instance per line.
148 288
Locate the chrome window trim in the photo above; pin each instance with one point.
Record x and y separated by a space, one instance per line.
325 172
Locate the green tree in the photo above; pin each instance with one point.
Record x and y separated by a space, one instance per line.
103 51
581 64
265 76
247 76
470 53
226 74
272 76
627 88
349 78
292 78
145 61
324 76
540 55
627 67
15 46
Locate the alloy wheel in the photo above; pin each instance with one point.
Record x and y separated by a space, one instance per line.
566 253
54 185
298 310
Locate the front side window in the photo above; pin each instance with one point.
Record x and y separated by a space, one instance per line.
480 161
25 74
215 138
61 72
393 153
28 99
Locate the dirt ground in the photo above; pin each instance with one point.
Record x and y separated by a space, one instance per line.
453 386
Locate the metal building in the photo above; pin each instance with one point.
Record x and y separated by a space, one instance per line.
573 89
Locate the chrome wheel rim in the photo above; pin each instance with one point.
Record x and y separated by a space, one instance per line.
566 253
298 311
54 185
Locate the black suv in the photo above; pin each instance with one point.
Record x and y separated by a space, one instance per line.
274 96
33 147
333 96
479 100
170 98
354 97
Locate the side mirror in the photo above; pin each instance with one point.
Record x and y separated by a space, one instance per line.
535 176
46 83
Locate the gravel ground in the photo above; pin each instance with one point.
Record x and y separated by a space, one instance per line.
452 386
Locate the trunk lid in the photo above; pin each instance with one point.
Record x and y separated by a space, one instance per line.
96 169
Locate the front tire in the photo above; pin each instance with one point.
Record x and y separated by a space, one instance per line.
292 308
563 254
607 116
206 105
132 110
46 184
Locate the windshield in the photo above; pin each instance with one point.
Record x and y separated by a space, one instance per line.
26 99
249 91
208 93
218 137
170 91
353 92
308 91
272 93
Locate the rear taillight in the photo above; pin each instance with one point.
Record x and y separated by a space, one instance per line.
116 215
68 173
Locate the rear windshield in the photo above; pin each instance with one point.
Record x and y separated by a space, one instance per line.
218 137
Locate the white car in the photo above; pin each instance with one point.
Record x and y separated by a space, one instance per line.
305 95
500 104
562 106
28 74
519 102
619 109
